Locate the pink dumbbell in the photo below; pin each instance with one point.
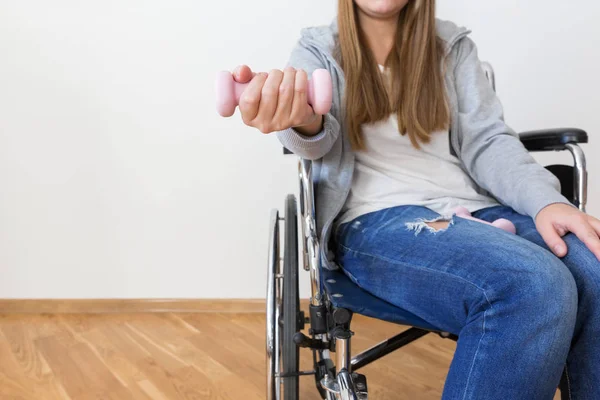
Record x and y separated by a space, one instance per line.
229 92
501 223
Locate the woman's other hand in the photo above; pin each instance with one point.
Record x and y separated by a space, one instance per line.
556 220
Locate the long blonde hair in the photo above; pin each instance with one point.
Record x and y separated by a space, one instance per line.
417 94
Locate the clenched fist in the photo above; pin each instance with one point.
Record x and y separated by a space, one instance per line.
277 101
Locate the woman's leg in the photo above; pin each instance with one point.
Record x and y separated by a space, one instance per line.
512 303
582 372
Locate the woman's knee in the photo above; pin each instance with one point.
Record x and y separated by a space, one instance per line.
540 286
585 268
582 263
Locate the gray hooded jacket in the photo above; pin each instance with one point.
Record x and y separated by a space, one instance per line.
490 152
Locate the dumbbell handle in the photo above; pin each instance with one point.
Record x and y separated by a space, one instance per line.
229 92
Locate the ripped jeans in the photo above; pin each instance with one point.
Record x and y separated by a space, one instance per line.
526 320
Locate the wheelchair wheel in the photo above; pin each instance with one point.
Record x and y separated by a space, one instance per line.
291 302
273 311
283 307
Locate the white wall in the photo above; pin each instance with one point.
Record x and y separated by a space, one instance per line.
118 179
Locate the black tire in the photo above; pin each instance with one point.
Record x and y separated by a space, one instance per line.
291 301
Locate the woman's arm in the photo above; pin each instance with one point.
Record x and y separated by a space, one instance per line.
311 129
310 142
499 163
490 150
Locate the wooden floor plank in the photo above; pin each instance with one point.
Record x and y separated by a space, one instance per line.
118 363
242 359
155 370
32 364
83 375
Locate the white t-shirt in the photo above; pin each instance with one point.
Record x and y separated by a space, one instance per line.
391 172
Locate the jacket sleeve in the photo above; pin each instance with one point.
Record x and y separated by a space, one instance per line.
490 150
313 147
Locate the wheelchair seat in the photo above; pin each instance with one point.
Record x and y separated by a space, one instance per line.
344 293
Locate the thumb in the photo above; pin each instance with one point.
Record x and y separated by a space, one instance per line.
553 239
243 74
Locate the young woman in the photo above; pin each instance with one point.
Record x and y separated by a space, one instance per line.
415 131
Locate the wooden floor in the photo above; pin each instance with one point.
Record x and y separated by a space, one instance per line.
184 356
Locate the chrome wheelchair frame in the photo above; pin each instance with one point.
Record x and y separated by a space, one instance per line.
336 376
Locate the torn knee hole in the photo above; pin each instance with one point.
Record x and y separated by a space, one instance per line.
439 225
436 225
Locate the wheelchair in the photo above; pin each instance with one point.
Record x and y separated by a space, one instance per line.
335 298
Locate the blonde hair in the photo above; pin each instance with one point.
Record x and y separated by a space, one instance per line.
417 93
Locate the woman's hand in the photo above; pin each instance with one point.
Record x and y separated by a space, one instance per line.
277 101
556 220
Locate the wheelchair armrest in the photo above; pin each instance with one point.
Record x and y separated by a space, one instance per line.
552 139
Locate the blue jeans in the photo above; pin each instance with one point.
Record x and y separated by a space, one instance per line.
525 318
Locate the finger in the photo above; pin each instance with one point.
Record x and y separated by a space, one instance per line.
250 99
268 103
587 234
243 74
286 95
595 224
300 108
553 240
